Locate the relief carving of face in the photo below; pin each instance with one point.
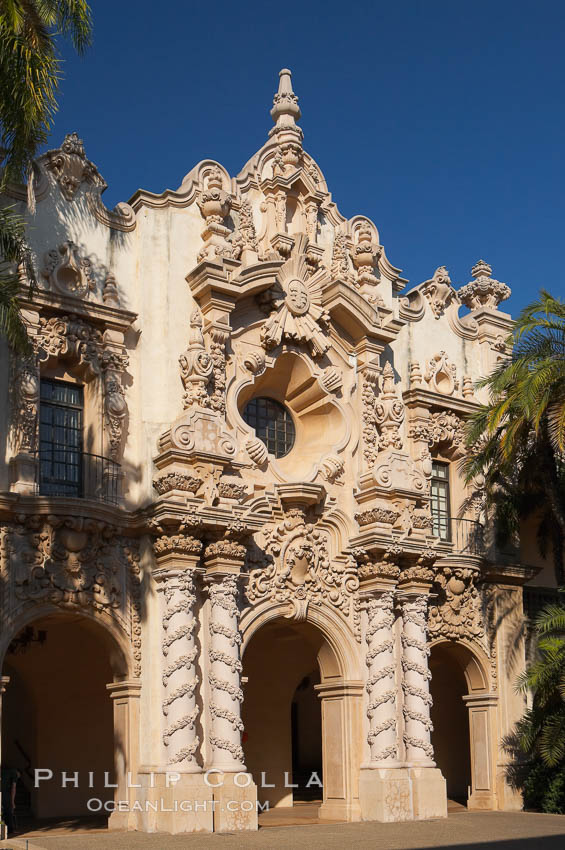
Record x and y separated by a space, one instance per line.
297 299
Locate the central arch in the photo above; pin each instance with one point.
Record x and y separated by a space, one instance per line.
302 710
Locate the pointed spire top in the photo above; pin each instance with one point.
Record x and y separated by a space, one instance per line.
285 111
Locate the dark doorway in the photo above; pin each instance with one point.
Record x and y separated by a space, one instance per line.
306 721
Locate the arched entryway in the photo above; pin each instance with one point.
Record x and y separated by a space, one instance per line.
464 721
64 677
301 716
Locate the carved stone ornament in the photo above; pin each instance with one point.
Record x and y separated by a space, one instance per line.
457 612
67 272
483 290
245 237
196 365
215 204
439 291
340 267
301 571
73 563
177 481
444 427
70 167
365 253
441 374
384 513
296 304
389 411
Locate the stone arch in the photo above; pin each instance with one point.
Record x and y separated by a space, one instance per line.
342 657
464 716
115 640
93 686
339 691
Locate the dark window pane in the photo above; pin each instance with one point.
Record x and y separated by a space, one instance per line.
272 423
60 429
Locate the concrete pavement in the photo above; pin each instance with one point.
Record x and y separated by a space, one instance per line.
464 830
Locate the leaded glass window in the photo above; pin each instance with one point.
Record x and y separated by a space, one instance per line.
272 423
440 500
60 438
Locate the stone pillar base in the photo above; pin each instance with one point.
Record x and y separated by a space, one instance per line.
185 806
340 810
235 807
385 794
484 801
429 793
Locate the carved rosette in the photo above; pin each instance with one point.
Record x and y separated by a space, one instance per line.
295 306
381 689
300 570
225 670
389 412
416 682
180 679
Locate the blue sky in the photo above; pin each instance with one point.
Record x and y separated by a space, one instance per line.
443 121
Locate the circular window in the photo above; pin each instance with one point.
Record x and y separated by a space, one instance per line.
272 423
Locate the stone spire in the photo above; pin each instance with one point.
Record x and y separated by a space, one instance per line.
285 111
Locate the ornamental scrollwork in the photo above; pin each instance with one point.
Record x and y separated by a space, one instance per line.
458 612
301 570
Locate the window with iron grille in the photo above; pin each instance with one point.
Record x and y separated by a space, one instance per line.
272 423
60 438
440 503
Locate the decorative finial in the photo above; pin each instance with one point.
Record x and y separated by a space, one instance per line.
285 111
483 290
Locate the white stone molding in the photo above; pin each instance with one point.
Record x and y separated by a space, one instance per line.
226 695
416 681
381 686
179 676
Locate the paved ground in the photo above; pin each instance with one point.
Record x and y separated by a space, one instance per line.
465 830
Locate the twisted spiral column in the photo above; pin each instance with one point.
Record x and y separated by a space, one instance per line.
180 680
416 682
225 670
380 686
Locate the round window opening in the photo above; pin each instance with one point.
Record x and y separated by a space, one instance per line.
272 423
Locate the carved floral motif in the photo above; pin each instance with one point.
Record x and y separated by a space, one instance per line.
301 571
457 612
67 272
483 290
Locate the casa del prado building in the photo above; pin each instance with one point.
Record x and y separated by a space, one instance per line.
238 558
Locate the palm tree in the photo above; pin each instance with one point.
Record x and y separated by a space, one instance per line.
30 70
536 745
541 732
516 442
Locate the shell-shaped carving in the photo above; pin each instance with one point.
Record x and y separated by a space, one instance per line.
257 451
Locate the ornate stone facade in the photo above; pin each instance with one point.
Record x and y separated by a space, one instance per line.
202 539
